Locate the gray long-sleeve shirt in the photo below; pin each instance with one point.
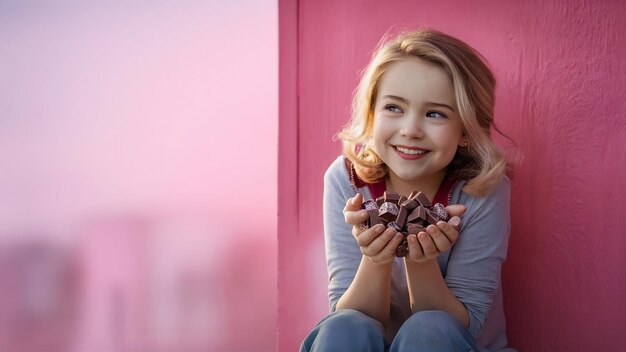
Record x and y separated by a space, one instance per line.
471 269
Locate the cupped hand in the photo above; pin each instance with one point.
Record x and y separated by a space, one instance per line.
436 239
376 243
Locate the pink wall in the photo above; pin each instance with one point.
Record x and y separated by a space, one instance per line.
138 175
560 95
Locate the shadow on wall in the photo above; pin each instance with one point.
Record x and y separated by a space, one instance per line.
137 283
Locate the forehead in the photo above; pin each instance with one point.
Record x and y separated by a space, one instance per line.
416 79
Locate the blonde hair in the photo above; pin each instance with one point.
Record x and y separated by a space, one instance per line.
482 163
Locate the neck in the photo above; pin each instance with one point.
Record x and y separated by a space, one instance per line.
428 185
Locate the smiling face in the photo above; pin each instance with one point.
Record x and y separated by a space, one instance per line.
416 126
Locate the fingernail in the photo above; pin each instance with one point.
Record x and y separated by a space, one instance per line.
455 221
379 228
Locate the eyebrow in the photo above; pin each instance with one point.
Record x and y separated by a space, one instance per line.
430 103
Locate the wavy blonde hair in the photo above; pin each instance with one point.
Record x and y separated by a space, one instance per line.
482 163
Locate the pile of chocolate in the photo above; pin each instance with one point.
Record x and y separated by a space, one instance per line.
407 215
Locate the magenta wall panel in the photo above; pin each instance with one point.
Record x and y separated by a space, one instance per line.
560 96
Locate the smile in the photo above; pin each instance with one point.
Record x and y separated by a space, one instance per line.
410 153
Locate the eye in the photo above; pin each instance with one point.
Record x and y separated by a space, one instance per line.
393 108
436 115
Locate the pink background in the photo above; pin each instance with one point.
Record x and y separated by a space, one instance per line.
138 175
561 82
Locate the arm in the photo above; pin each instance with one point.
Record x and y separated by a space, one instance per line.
474 266
475 263
370 291
428 291
427 288
356 281
473 270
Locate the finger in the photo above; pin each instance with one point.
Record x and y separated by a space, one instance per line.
455 210
428 246
389 249
455 222
365 238
378 243
354 203
448 230
442 243
415 249
354 217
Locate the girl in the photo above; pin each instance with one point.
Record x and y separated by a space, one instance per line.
422 117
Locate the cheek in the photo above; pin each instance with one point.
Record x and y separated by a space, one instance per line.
378 135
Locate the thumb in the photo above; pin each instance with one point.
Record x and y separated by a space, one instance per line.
354 203
455 210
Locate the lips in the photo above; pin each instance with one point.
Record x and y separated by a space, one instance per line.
410 153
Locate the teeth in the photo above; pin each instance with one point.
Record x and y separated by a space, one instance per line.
410 151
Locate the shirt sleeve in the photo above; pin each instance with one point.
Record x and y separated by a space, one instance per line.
342 251
475 263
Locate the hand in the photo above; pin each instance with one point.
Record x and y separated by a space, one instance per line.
429 244
377 243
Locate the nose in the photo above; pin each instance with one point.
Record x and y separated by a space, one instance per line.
412 126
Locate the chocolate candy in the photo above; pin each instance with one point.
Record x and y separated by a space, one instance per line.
403 248
410 204
372 210
391 197
409 216
418 215
388 211
422 199
402 214
395 225
440 211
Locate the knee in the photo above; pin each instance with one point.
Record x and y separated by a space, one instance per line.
432 323
350 320
345 330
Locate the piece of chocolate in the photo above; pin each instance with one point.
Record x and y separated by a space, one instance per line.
403 248
431 217
394 225
441 211
380 200
401 200
372 211
392 197
402 214
388 211
374 219
422 199
414 229
369 205
410 204
417 216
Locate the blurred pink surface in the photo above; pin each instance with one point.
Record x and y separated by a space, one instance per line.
138 186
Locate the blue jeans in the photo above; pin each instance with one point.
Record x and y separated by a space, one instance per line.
350 330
